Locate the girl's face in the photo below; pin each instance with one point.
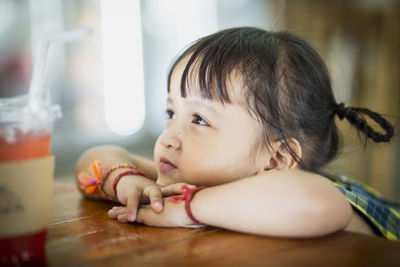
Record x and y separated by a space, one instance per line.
206 142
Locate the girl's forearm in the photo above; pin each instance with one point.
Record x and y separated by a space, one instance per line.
275 203
110 155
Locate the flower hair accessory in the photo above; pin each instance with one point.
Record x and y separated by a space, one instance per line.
93 180
187 197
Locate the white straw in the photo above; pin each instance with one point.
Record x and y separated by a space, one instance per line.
37 90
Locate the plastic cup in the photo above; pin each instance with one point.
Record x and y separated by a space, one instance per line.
26 176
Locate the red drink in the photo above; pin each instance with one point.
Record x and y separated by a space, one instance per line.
26 172
31 246
27 146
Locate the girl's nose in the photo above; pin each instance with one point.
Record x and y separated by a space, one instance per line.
171 140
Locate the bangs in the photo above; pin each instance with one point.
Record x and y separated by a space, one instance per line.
285 86
210 64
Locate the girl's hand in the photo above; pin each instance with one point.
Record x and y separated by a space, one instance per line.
136 190
132 190
173 215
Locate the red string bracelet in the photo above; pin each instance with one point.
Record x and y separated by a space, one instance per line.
122 174
187 197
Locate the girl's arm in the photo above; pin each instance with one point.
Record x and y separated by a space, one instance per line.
274 203
279 203
110 155
132 190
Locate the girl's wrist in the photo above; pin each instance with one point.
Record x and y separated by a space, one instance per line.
188 197
121 180
195 204
95 182
109 184
122 184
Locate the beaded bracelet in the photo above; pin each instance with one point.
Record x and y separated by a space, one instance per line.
187 197
93 180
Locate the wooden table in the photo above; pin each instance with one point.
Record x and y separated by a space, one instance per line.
82 234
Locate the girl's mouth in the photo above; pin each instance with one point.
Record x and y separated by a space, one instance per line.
166 166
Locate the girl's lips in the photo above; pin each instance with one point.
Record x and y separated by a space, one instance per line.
166 166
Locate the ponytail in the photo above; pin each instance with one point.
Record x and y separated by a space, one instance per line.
353 116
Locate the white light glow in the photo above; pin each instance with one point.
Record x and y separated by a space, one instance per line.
173 24
122 65
8 15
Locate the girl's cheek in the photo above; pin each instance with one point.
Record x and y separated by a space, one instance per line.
156 151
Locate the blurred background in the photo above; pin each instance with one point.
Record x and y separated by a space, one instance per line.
111 86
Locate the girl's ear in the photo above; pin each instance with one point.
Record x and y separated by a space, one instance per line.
281 159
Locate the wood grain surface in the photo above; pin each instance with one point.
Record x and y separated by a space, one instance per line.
82 234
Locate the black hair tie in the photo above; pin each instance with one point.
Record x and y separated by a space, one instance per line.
341 111
352 115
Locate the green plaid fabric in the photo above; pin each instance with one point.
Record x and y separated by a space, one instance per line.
382 213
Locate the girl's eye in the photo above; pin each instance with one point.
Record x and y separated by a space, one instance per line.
170 115
199 120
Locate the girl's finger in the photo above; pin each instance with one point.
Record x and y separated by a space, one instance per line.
146 216
155 196
123 218
116 211
133 204
175 189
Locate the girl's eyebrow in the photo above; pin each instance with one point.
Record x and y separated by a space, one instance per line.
202 104
195 102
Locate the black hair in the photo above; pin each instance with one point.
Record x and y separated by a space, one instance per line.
286 85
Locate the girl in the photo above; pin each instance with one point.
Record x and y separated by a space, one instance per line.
250 126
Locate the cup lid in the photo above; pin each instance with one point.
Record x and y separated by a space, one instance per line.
17 110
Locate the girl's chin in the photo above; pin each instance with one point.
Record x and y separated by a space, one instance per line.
164 180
